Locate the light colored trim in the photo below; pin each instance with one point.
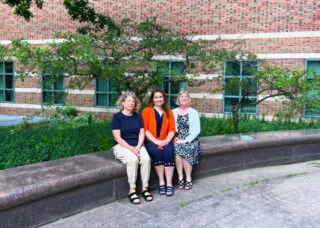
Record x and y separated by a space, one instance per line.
202 76
47 41
259 55
27 90
93 109
38 90
172 58
34 106
15 105
82 92
289 56
211 115
5 42
206 96
245 36
279 98
238 36
221 115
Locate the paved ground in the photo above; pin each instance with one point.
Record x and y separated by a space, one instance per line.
277 196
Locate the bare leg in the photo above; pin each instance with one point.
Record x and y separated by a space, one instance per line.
169 174
160 172
179 166
188 169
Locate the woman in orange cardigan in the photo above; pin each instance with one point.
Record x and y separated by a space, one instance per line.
159 125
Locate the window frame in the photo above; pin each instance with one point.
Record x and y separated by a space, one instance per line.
169 76
305 115
107 93
239 89
3 75
54 91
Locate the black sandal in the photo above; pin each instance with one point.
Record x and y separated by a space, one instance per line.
181 184
132 198
188 185
170 191
147 195
162 189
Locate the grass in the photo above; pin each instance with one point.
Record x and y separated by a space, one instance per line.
254 182
296 174
226 190
184 204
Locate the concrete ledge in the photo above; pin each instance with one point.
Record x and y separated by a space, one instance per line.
40 193
244 151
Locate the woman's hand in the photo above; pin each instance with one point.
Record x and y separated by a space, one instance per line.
158 142
136 151
164 142
180 141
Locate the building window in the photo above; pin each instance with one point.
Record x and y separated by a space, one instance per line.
53 89
171 86
313 65
106 94
238 81
6 82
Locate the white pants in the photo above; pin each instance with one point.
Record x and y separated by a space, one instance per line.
132 162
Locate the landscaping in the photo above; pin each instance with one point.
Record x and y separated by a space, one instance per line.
70 136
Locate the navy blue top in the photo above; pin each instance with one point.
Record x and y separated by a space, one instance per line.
129 127
159 120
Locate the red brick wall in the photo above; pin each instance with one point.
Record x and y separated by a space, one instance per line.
86 100
211 86
191 17
28 82
207 105
205 17
28 98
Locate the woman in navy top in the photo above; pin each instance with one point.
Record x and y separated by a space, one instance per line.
128 132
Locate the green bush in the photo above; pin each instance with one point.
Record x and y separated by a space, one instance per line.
30 145
248 124
69 136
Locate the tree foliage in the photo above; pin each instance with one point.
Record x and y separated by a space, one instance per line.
22 7
126 55
125 52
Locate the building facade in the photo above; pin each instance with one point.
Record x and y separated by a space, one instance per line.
285 33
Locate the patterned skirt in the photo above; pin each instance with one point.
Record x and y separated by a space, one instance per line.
189 151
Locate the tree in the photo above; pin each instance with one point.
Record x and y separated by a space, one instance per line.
125 55
296 88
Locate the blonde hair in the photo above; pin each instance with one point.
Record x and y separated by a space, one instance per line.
124 96
180 94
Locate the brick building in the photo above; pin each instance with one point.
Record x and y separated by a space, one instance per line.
285 33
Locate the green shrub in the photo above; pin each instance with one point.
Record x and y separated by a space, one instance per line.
69 136
247 124
30 145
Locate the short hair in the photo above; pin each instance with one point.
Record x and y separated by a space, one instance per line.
124 96
180 94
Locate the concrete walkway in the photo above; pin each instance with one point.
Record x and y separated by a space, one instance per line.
276 196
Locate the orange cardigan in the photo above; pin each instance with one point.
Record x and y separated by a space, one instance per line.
149 121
